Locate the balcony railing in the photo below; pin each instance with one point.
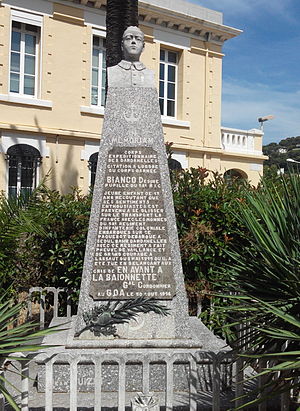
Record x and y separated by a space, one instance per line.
240 141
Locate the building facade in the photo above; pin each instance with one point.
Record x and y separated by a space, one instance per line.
52 86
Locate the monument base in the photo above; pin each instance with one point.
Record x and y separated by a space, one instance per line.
179 372
201 338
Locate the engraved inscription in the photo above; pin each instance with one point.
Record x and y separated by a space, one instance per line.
132 254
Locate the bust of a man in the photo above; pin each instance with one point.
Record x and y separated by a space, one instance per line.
130 72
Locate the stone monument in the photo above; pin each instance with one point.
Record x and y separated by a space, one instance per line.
132 259
133 302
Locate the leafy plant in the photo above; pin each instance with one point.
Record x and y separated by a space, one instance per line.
204 202
16 338
17 218
263 278
53 254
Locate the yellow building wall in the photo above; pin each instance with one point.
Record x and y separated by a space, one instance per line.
244 165
65 73
61 168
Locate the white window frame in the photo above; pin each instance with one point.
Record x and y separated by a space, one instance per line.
35 175
166 64
101 35
9 139
34 20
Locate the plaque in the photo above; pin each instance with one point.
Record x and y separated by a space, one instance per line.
132 254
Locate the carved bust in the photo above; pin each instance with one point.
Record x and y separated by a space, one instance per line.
130 72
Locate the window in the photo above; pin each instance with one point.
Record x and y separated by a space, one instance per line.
167 82
23 162
234 175
93 168
98 72
24 58
174 164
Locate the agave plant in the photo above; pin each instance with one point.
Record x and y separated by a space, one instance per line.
14 339
264 285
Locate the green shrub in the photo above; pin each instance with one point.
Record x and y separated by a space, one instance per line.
205 206
53 257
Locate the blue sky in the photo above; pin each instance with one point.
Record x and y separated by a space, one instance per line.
261 69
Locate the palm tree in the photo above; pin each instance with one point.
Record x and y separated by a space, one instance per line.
120 14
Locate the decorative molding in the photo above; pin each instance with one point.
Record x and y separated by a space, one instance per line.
170 121
10 139
256 167
169 38
27 18
95 110
24 100
90 147
194 21
68 19
199 50
99 32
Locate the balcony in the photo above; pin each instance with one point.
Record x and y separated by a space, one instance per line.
241 141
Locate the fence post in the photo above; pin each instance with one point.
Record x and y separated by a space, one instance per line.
98 384
169 385
25 384
42 310
261 381
193 384
199 306
122 382
69 303
55 302
216 382
239 381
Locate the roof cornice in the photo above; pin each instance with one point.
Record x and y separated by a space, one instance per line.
159 16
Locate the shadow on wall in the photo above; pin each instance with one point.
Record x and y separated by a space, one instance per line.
63 171
62 174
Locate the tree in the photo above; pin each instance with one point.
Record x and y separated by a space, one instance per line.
120 14
279 152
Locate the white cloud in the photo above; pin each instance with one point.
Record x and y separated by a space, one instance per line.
243 103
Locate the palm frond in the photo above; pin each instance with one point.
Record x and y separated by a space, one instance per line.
132 308
263 291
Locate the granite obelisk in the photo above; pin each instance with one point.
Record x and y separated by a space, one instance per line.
132 286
